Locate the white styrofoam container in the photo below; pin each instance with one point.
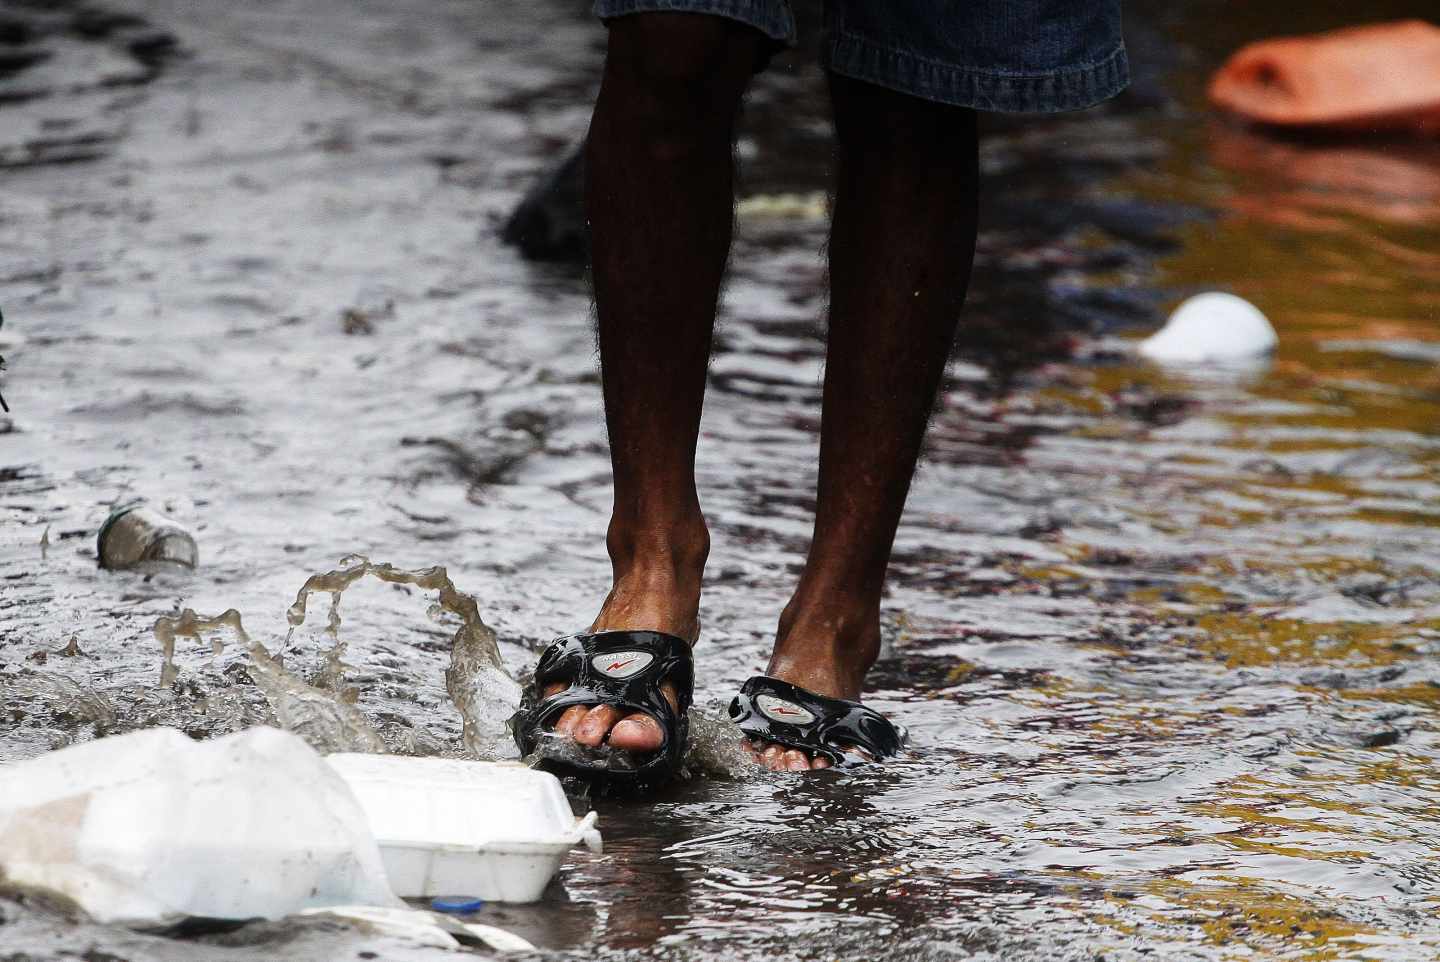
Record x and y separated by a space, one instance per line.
149 828
493 830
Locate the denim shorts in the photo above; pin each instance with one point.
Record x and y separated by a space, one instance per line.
1025 56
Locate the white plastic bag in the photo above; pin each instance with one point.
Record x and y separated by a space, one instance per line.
1211 328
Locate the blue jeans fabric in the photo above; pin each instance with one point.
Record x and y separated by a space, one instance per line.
1022 56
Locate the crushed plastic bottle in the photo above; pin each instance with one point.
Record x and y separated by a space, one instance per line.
136 534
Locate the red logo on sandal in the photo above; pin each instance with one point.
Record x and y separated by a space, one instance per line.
622 664
780 710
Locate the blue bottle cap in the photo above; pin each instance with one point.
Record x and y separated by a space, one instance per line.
457 904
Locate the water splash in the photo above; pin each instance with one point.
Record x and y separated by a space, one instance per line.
483 691
324 713
717 747
329 724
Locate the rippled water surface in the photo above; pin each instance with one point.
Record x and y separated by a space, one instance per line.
1166 642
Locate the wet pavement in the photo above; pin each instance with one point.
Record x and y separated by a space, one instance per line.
1166 641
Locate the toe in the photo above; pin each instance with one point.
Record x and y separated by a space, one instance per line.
596 725
637 733
593 725
569 718
778 758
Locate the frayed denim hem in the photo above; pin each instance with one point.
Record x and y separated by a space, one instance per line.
1073 88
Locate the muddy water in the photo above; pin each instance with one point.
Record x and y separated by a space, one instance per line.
1166 642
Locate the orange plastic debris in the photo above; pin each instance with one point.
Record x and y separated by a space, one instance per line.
1380 78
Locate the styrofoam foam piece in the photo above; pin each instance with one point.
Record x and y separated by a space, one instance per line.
496 830
1214 327
411 925
425 928
497 939
149 828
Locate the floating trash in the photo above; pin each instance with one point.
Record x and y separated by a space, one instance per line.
151 828
812 206
495 830
1366 80
136 534
425 928
457 904
1211 328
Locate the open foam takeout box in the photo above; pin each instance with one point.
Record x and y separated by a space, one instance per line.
494 830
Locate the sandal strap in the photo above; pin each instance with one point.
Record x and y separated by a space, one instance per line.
777 711
623 669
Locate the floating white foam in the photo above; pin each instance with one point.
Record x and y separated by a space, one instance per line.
1211 328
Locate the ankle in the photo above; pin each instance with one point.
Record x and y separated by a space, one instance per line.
827 643
657 574
652 599
659 552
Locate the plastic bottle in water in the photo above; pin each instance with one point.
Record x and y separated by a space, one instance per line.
136 534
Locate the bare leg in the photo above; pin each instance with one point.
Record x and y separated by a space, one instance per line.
901 246
660 200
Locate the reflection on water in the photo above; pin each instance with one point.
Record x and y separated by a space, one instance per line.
1390 183
1166 644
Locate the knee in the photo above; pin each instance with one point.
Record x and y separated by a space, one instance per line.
674 72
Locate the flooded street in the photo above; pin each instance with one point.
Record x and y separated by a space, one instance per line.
1167 642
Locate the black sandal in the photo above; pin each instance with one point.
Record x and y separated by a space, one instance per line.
620 668
768 709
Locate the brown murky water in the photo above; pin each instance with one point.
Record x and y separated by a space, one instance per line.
1166 642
